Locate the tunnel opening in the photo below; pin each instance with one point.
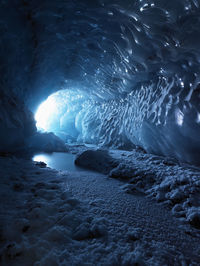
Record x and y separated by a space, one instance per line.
59 114
78 117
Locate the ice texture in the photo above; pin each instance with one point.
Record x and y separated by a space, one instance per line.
137 61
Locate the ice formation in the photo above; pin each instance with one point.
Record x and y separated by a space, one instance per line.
119 74
136 62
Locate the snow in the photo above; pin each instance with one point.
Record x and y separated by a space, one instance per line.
165 179
168 181
51 217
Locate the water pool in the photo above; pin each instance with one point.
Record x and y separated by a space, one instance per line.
58 160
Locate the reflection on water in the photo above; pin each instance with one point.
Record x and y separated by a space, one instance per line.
58 160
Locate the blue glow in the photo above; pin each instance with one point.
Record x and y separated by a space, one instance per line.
59 114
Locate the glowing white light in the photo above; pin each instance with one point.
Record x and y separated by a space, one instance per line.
143 8
179 117
58 112
45 111
41 158
198 118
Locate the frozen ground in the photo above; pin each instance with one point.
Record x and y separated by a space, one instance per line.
174 184
84 218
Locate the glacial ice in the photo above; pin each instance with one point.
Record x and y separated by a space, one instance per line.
125 75
136 63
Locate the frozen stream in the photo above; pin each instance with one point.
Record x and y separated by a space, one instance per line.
58 160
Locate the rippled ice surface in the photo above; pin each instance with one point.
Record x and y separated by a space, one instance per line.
58 160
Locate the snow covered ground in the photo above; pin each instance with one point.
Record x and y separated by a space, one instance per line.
175 184
85 218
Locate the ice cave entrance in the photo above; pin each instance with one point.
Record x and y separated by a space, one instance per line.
59 114
46 112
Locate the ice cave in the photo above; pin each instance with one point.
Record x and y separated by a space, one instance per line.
99 132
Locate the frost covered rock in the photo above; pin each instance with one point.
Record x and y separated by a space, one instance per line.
122 171
47 142
97 160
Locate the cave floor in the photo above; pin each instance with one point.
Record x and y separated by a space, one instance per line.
50 217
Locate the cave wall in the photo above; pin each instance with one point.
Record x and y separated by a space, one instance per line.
16 123
138 62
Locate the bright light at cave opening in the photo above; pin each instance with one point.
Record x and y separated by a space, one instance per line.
59 111
45 112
